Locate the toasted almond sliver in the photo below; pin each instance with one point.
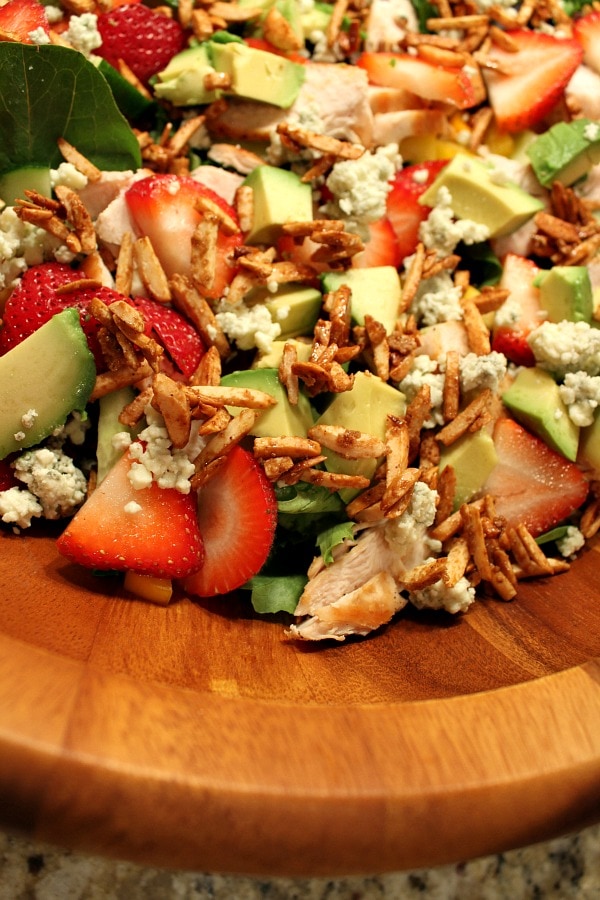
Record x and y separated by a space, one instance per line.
124 273
208 370
187 299
451 393
220 444
131 414
398 495
83 165
244 204
365 500
289 358
170 400
150 270
204 253
296 447
275 468
218 395
417 413
528 554
473 532
346 442
424 575
106 382
456 562
335 481
461 424
207 472
446 488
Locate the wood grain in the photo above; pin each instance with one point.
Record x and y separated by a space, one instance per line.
196 736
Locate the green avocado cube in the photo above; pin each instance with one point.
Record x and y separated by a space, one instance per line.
282 419
473 457
258 74
566 152
278 197
566 294
534 400
375 292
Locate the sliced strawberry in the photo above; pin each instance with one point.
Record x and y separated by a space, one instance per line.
404 211
532 483
18 18
587 31
37 298
381 249
144 39
180 339
523 305
524 86
237 514
460 87
108 534
165 209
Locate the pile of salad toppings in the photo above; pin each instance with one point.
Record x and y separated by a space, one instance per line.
336 273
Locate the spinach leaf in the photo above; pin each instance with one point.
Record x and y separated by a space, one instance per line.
49 92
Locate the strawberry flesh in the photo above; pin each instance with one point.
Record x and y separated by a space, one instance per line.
164 209
18 18
381 249
511 339
532 483
404 211
145 40
401 70
586 30
179 338
237 514
104 535
524 86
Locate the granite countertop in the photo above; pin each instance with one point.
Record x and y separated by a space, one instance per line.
565 868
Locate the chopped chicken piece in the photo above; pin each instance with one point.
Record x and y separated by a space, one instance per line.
223 183
357 612
388 22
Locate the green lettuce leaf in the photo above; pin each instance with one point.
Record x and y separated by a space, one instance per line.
273 594
331 537
49 92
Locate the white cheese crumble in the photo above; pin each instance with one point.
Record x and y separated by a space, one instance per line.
408 533
132 508
360 186
571 542
54 479
248 326
591 132
18 507
454 599
442 231
425 370
155 459
563 347
23 245
437 300
480 372
39 36
580 393
82 33
68 175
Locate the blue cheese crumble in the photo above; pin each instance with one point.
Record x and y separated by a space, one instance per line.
580 393
442 231
53 479
360 186
563 347
454 599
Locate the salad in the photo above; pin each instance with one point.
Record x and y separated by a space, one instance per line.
303 298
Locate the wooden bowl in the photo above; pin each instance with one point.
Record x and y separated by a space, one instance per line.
195 736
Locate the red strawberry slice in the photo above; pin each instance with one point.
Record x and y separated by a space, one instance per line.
532 483
404 211
587 31
525 86
35 300
237 514
18 18
145 40
179 338
524 308
164 208
381 249
106 533
461 87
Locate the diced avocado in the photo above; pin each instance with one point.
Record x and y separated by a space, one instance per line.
257 74
534 399
589 446
566 293
272 359
375 292
281 420
110 407
472 456
132 103
295 308
364 408
566 152
182 82
32 178
476 195
279 197
43 379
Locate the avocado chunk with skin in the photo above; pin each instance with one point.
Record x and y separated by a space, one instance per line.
473 457
44 378
375 292
363 408
566 152
282 419
476 194
534 400
182 81
257 74
279 197
566 294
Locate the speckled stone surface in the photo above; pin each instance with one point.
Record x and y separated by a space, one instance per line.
561 869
